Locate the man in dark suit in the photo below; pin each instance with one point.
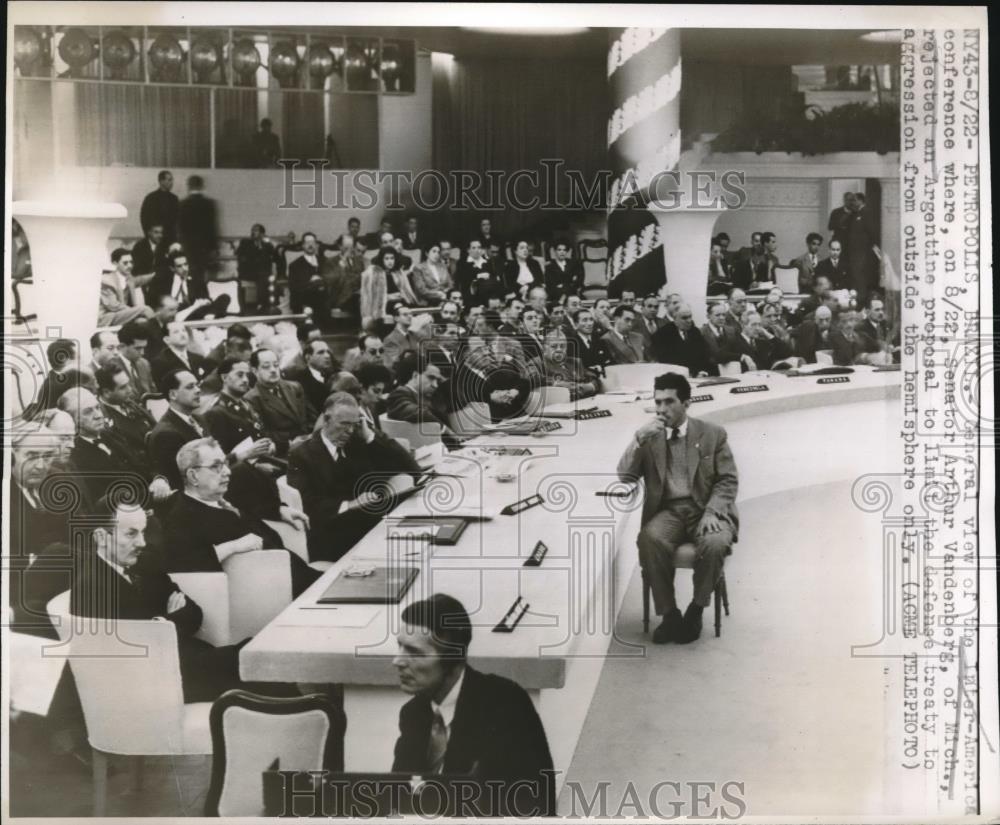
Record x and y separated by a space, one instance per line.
461 721
531 340
202 529
161 208
130 422
198 230
281 404
646 323
586 345
814 335
721 347
64 374
255 258
622 345
760 348
833 268
419 379
306 286
862 236
412 237
555 368
872 331
314 375
149 258
339 471
177 281
133 339
681 343
736 305
115 579
563 275
840 217
175 355
690 479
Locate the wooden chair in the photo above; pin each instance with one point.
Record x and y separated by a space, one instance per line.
684 560
252 734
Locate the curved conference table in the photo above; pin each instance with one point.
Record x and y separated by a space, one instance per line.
796 433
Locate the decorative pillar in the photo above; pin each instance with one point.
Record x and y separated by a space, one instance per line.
644 139
68 243
686 233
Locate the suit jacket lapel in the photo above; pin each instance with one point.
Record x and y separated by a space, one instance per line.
694 434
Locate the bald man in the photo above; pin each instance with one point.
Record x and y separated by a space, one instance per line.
680 342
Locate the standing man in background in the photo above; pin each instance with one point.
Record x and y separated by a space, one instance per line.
161 207
198 228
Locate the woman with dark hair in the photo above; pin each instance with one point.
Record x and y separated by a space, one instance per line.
374 287
522 274
431 280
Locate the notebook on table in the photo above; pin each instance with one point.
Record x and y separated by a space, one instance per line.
444 530
382 585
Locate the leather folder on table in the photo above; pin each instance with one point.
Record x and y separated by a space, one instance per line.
384 585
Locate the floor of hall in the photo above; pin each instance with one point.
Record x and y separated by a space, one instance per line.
777 703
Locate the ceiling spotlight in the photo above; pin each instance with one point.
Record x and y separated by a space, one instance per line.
889 36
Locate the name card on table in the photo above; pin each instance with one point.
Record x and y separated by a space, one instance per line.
512 617
522 505
750 388
696 398
537 555
834 379
586 415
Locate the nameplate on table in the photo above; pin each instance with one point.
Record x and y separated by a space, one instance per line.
696 398
512 617
522 505
586 415
834 379
750 388
537 555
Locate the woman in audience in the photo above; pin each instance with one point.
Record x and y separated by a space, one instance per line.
374 287
399 283
522 274
431 280
720 275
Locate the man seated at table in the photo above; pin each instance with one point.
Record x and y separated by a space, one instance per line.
814 335
623 345
202 529
587 343
114 579
758 349
402 337
281 404
679 342
413 400
720 341
339 471
872 332
462 721
556 369
690 479
488 374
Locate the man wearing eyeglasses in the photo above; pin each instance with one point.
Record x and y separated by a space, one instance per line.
203 530
369 350
342 471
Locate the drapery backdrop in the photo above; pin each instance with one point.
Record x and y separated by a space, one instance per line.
508 114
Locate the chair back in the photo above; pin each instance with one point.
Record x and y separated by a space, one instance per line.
295 541
786 278
542 397
471 419
260 587
419 435
731 369
211 593
145 714
230 288
156 405
824 356
638 377
252 734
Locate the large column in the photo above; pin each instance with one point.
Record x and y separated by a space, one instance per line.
644 139
68 243
686 232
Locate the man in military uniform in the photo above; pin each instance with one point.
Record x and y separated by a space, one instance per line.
231 420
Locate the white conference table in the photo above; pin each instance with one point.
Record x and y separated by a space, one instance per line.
795 434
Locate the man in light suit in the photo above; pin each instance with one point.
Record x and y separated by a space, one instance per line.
690 479
807 262
116 293
281 404
624 346
461 721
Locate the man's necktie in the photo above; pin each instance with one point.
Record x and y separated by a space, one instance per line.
437 744
675 433
197 428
